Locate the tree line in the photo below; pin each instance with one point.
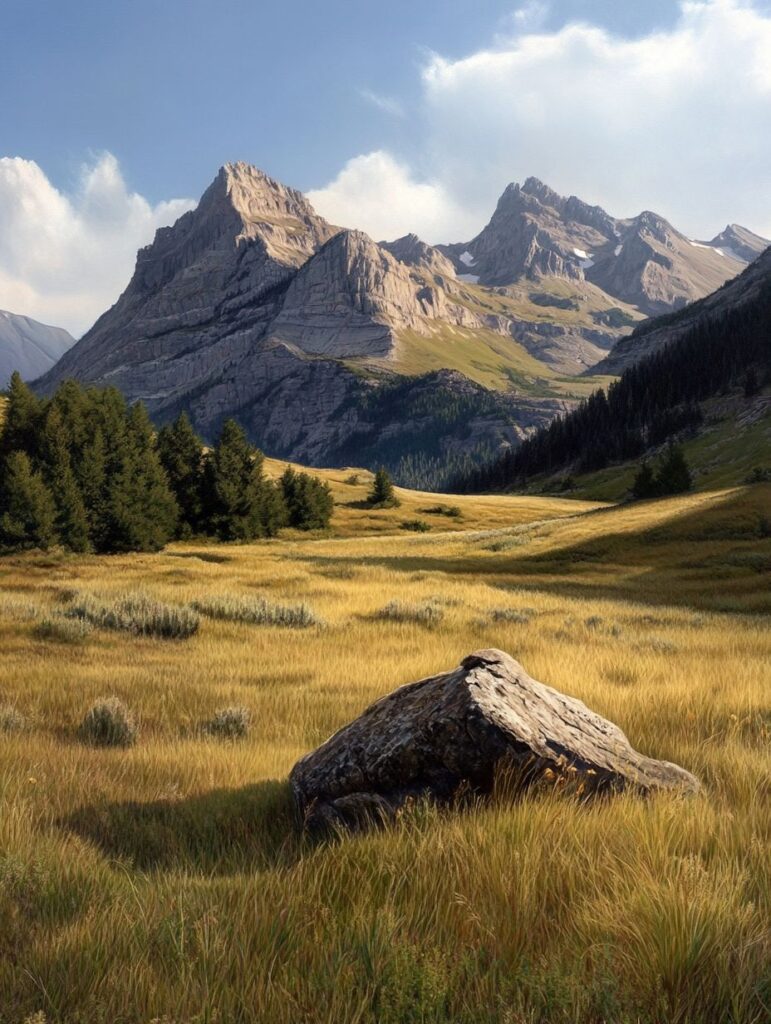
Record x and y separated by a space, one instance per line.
652 401
87 471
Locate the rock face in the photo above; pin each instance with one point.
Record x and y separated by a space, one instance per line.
456 732
642 261
655 334
28 346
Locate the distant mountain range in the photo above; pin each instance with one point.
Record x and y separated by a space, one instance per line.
329 347
30 347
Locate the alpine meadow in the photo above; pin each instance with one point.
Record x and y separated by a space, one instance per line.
385 617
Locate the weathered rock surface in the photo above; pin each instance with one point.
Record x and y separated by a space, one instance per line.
643 261
455 733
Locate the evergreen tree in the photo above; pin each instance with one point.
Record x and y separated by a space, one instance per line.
27 512
21 422
308 500
645 484
751 385
71 520
382 494
273 514
181 454
674 476
91 475
141 510
234 489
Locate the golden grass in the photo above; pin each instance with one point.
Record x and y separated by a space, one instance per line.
167 879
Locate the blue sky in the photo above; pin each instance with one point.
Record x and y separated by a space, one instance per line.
174 88
393 116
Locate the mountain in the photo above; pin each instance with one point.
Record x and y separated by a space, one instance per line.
652 335
704 365
253 306
28 346
642 261
738 243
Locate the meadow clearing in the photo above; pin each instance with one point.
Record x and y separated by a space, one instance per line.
166 881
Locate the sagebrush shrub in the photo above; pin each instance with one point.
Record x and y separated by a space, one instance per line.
231 723
108 723
511 615
426 614
257 612
62 630
137 613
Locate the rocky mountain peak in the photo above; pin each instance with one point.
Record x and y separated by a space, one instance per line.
540 191
414 252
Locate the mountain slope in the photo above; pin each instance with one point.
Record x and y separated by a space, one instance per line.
719 347
642 261
653 335
28 346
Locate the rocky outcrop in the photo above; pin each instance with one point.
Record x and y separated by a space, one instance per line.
413 252
459 733
642 261
28 346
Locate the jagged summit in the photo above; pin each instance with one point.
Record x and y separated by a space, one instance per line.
739 242
644 261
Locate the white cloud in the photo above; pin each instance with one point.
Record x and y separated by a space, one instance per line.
529 17
380 196
386 104
676 121
64 259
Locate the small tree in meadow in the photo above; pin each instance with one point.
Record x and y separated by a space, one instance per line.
382 494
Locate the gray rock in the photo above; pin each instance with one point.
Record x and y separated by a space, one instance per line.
28 346
643 261
456 733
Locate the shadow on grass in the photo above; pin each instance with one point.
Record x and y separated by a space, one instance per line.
222 832
202 556
715 558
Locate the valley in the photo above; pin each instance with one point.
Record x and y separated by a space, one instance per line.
169 874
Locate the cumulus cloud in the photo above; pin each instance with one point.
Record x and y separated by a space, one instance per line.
379 195
64 259
675 121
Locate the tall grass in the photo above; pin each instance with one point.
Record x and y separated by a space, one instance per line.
136 613
167 878
257 612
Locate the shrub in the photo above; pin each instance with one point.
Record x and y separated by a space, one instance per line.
11 719
352 480
230 723
416 525
137 613
108 723
511 615
426 614
62 630
453 511
257 612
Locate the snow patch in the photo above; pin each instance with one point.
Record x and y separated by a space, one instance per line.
469 278
617 250
699 245
580 253
467 259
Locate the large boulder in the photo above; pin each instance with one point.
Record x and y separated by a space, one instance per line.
458 732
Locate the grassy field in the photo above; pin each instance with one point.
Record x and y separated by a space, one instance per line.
166 882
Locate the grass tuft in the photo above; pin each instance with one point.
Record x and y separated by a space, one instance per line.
231 723
426 613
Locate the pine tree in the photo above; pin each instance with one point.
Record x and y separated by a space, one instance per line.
645 484
234 487
22 419
674 476
141 510
27 512
71 519
181 454
382 494
308 500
